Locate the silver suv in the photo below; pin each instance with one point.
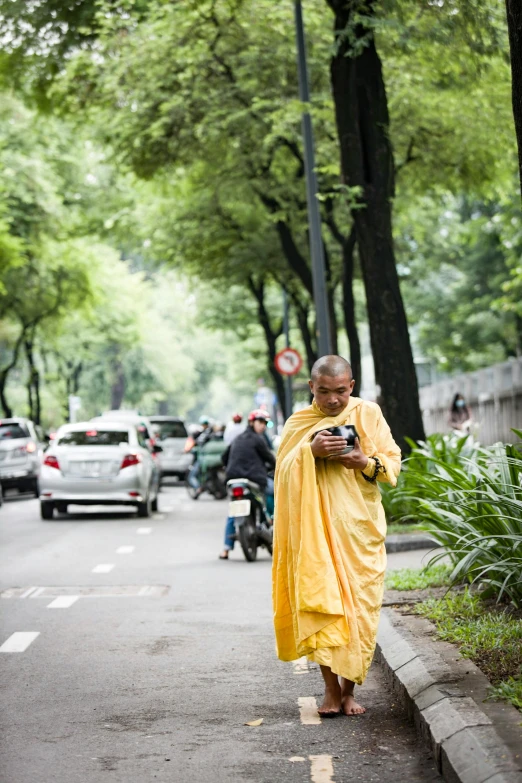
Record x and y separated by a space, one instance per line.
21 449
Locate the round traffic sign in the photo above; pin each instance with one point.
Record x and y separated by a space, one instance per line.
288 361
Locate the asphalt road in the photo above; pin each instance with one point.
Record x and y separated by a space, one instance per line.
148 656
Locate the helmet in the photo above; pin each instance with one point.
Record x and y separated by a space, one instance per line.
260 415
203 420
237 418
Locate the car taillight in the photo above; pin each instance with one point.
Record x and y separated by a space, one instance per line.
238 492
129 460
31 447
51 462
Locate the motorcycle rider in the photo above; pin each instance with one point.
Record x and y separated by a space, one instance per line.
199 440
248 457
234 428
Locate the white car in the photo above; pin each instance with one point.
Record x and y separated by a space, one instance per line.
102 463
21 449
172 434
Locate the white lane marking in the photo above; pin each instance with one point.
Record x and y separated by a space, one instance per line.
63 602
103 568
308 711
125 550
19 641
297 758
322 769
144 531
37 592
167 509
301 666
28 592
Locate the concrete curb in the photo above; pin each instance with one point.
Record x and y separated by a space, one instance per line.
436 691
406 542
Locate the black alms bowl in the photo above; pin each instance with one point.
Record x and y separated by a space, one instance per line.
348 432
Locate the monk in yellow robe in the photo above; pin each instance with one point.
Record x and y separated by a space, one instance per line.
329 532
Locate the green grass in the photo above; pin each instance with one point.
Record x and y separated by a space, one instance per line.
509 690
397 527
418 578
490 637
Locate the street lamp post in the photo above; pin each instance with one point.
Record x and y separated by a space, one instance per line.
324 343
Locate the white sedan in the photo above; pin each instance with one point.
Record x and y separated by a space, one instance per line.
102 463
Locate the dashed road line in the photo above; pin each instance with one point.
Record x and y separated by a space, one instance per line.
103 568
28 592
63 602
19 641
322 769
308 711
125 550
144 531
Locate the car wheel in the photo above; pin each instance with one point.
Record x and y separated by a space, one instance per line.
35 488
154 504
46 510
144 509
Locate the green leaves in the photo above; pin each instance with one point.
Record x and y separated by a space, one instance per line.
470 500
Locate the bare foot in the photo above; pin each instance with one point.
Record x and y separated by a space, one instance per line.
350 707
332 699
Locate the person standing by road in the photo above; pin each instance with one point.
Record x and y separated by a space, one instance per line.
459 415
329 532
248 457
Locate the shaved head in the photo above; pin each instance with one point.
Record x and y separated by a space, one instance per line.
331 384
332 366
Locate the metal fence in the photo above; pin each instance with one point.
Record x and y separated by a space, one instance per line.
494 395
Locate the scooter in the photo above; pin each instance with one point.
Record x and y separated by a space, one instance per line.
254 527
211 475
213 482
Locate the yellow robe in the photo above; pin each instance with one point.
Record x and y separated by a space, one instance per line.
329 531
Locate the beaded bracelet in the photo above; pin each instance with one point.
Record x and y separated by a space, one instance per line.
378 466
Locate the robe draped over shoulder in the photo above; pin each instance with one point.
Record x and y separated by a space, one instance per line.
329 532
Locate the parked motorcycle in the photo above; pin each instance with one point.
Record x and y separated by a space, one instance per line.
254 527
211 475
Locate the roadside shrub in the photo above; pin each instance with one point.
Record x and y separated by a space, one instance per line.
469 499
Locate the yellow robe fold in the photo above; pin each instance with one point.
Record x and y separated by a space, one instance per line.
329 531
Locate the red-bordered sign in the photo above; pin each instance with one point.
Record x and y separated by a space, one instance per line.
288 361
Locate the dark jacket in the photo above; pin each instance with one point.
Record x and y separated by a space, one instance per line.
248 456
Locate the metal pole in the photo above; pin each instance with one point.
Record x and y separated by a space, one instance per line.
288 378
324 342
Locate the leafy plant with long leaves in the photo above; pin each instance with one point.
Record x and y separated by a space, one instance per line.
469 498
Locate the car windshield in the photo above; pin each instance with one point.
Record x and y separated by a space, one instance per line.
12 431
169 429
93 437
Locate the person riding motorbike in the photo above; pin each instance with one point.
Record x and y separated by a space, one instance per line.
199 440
234 428
249 456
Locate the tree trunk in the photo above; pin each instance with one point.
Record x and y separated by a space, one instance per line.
33 382
330 293
514 20
297 263
302 312
118 383
367 162
350 320
258 290
4 374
